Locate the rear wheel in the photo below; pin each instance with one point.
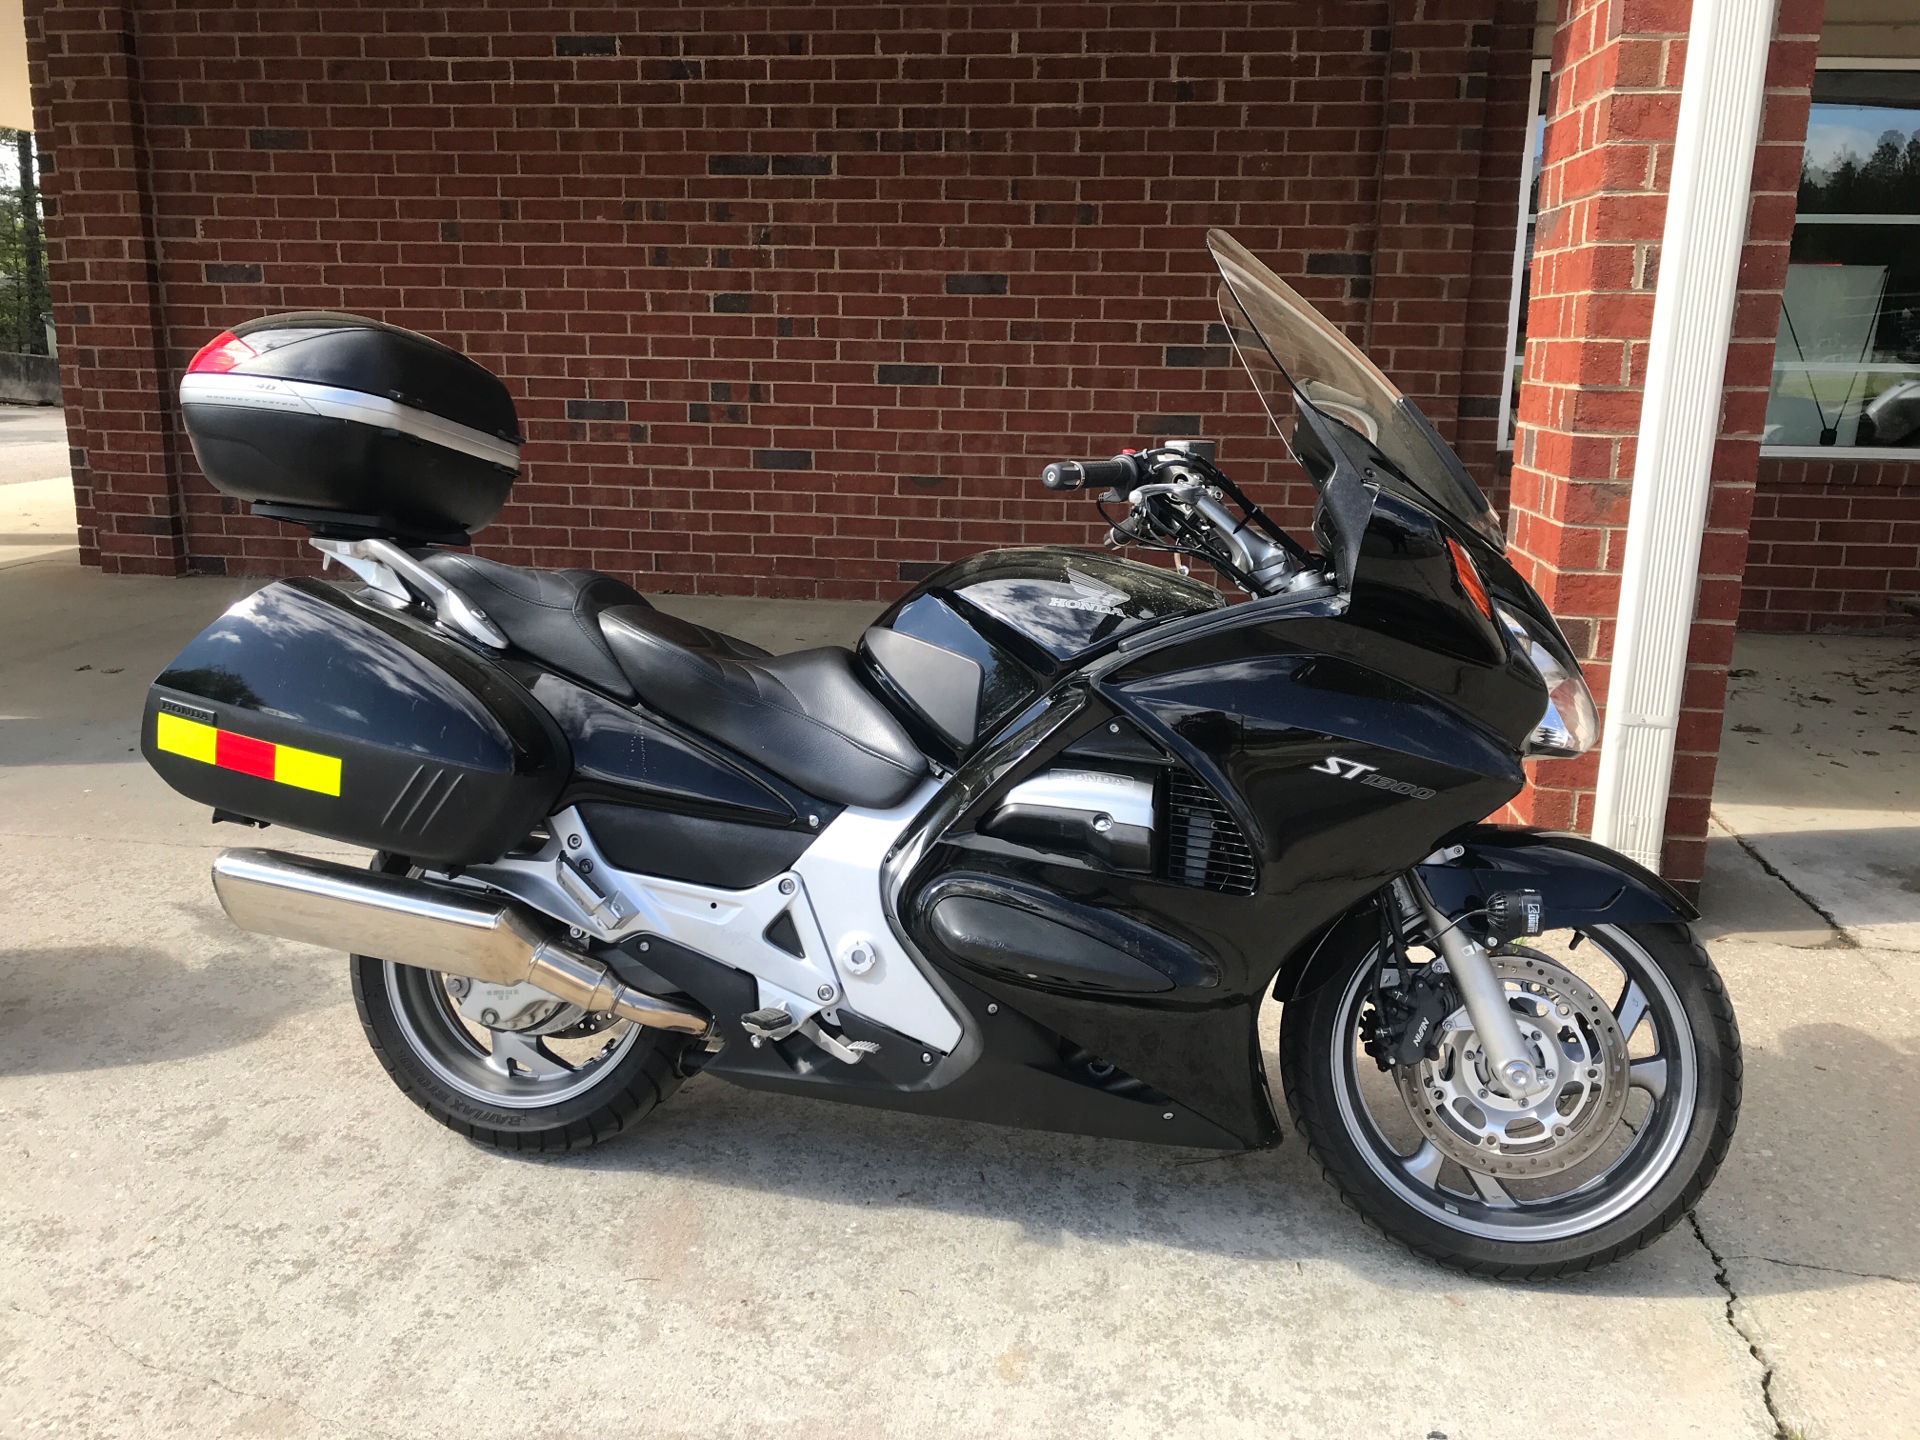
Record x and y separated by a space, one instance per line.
1636 1029
514 1068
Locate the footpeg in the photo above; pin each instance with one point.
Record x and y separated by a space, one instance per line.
772 1023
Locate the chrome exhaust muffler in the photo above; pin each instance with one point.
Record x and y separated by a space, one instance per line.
416 922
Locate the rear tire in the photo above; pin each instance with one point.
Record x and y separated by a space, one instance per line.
1688 1068
397 1004
440 1063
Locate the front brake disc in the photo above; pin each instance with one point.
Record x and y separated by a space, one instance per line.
1576 1044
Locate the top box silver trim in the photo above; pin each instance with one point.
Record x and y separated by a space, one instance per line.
303 397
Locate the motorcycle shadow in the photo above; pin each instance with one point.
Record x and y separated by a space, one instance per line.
1776 1200
77 1008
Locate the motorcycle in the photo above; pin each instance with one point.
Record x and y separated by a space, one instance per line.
1034 853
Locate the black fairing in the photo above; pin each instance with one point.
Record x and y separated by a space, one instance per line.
662 801
1342 739
443 756
1015 1070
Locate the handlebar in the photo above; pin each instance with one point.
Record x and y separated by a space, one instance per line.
1121 471
1183 513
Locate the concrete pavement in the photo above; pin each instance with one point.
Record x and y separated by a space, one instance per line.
1820 774
225 1220
36 494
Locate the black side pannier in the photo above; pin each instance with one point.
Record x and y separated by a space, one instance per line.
352 428
305 707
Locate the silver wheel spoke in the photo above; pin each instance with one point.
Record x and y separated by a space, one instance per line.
1492 1192
519 1055
1631 1010
1649 1075
1424 1164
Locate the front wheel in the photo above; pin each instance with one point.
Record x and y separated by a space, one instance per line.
1634 1024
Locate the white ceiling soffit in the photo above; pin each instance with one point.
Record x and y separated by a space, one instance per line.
16 104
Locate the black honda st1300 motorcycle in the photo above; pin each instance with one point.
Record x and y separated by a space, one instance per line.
1034 853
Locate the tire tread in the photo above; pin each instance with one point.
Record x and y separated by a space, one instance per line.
1299 1049
650 1084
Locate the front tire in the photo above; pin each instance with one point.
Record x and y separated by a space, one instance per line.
1673 1038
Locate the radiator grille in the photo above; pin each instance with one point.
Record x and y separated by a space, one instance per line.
1205 847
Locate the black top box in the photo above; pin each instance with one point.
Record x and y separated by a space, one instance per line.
352 428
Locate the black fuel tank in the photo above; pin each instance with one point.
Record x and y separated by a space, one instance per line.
304 707
971 644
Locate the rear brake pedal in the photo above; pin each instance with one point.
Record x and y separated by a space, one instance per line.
848 1052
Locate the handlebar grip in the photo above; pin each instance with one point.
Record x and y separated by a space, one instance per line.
1122 470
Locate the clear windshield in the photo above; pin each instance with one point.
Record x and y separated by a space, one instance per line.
1294 354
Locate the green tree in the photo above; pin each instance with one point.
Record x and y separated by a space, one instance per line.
23 267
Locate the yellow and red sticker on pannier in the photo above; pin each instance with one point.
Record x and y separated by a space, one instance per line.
283 764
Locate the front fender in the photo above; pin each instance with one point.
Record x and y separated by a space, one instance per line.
1582 882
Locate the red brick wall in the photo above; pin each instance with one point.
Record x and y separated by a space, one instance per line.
1504 132
1612 111
793 301
1429 185
1833 545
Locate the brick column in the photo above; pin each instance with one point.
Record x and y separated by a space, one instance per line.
1617 69
105 285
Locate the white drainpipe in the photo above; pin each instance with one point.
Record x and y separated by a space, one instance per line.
1707 203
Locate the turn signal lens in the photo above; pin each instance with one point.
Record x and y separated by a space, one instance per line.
1469 577
226 351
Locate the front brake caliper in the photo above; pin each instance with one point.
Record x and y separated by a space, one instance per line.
1404 1028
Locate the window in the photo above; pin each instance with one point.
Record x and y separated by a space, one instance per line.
1523 251
1846 362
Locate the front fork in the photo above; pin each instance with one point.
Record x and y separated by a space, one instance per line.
1485 997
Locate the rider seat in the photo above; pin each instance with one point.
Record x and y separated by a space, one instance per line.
805 716
554 615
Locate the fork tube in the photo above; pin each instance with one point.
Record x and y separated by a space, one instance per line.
1480 989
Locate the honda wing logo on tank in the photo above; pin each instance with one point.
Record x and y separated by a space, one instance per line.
1089 594
1370 775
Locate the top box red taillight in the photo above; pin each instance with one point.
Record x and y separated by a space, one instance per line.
226 351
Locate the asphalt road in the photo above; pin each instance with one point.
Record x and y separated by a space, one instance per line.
224 1220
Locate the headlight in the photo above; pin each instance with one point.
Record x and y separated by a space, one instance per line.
1571 724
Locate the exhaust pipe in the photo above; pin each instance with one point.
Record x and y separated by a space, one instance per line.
413 922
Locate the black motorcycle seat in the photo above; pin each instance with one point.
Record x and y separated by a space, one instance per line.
554 615
805 716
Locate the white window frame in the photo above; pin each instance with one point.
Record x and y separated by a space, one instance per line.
1513 361
1851 452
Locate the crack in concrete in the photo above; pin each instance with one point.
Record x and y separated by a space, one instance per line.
170 1372
1847 942
1832 1269
1725 1282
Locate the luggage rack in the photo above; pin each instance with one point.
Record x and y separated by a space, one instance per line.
390 572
